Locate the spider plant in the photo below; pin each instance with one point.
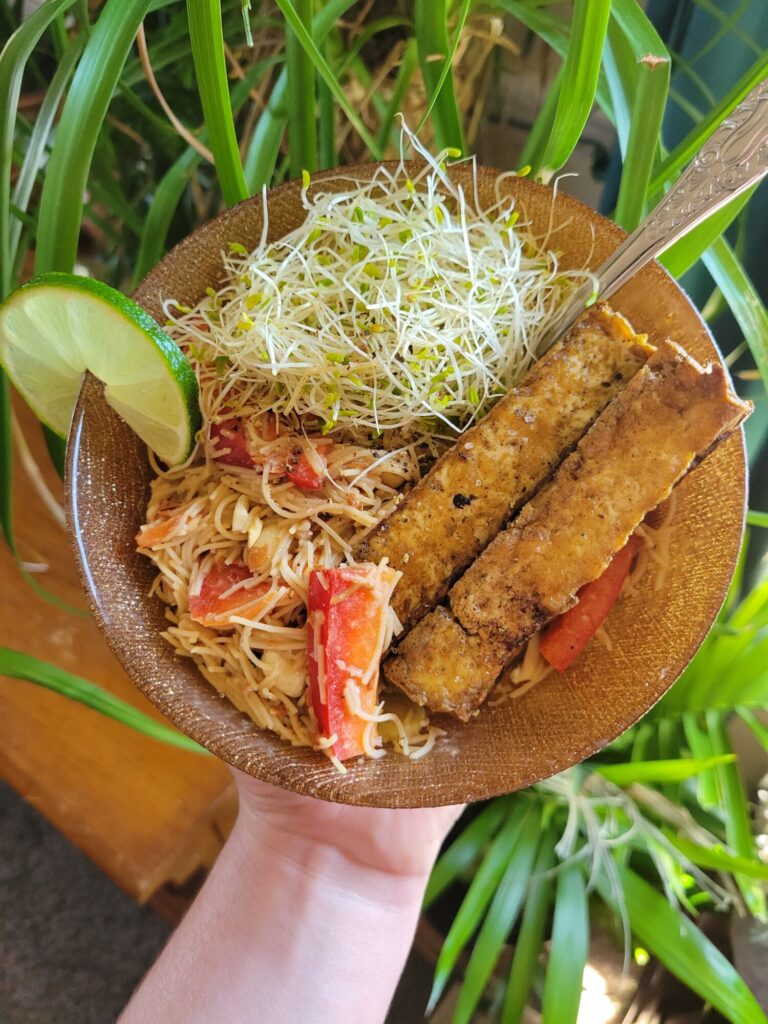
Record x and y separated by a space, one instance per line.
654 828
124 124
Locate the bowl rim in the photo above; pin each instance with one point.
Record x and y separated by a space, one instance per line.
211 742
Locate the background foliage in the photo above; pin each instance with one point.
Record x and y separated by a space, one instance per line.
124 124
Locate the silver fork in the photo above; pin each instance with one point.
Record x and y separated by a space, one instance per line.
734 158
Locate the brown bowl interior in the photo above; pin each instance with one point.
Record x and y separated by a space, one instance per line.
554 725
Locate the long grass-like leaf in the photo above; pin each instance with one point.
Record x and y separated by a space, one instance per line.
302 125
326 115
321 66
24 666
718 858
171 186
207 38
741 295
478 897
405 73
36 147
168 193
61 202
531 935
466 849
541 129
684 950
264 147
681 256
499 921
675 770
638 66
686 150
13 60
738 829
570 947
436 53
582 69
555 33
755 518
755 725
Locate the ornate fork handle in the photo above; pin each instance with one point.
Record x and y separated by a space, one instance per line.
734 158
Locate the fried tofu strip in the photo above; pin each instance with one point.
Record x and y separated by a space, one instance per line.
451 515
671 414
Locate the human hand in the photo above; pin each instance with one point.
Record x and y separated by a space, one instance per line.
400 843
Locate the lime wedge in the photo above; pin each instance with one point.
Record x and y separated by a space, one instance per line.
58 326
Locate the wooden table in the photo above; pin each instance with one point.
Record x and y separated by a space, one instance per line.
145 812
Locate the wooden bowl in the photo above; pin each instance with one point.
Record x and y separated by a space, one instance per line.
554 725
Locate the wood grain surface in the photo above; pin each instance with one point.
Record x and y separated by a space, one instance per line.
145 812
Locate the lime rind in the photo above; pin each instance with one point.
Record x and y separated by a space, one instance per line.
77 323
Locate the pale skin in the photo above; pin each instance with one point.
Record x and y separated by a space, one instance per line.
308 915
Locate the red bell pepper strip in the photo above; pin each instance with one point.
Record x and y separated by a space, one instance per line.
563 640
229 444
302 473
210 608
345 611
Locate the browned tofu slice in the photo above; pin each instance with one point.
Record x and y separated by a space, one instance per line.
672 413
438 663
451 515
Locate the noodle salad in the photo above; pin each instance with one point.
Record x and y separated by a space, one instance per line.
334 366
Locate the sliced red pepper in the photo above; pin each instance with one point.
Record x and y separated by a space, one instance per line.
210 608
302 473
229 444
345 609
563 640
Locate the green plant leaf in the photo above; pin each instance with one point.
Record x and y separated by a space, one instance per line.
261 154
35 151
207 38
556 33
582 69
479 895
61 202
165 201
718 858
738 828
322 68
402 82
755 725
436 54
700 743
172 185
569 950
264 147
302 125
742 297
24 666
13 59
637 67
541 129
326 113
681 256
686 150
684 950
531 935
499 921
466 849
755 518
659 771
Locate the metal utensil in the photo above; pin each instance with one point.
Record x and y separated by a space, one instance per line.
734 158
